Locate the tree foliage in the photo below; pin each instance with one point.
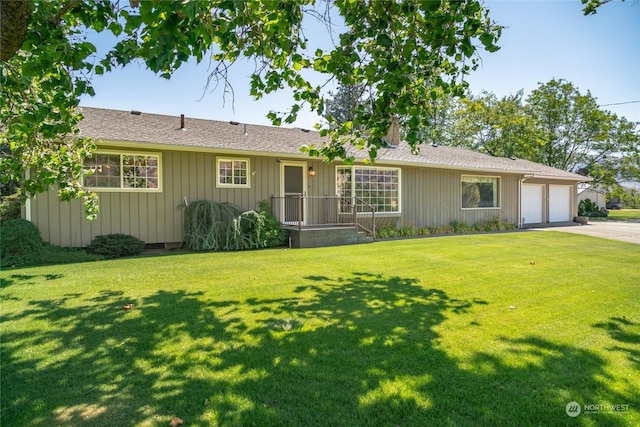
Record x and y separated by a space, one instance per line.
500 127
555 125
578 136
591 6
408 53
341 105
629 197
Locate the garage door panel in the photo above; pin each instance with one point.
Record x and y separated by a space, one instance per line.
559 203
531 204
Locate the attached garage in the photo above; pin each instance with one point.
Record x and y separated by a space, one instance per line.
560 203
532 203
545 202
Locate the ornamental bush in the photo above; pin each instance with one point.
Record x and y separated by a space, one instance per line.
214 226
591 209
272 234
19 236
116 246
408 230
22 246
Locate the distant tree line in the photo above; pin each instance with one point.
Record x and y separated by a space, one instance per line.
555 125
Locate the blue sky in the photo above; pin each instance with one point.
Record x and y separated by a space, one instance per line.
542 40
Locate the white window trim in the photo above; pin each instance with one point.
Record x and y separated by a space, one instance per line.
352 167
233 159
125 189
499 178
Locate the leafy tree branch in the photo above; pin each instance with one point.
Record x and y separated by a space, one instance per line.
408 53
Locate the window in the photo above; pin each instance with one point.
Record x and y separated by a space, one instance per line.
379 187
233 173
480 192
115 171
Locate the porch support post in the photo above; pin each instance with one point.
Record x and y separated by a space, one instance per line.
299 212
373 226
355 211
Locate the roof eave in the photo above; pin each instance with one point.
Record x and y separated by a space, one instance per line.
240 151
192 148
562 178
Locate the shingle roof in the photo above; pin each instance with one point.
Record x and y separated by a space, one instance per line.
164 131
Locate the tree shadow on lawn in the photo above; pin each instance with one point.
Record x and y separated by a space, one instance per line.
627 334
364 352
26 279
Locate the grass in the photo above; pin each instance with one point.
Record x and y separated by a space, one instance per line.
620 215
624 214
502 329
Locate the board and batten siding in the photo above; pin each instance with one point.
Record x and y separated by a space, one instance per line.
433 197
157 217
429 197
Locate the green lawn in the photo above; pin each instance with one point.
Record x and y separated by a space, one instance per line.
620 215
494 329
624 214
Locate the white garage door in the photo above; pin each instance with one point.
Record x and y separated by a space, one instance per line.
531 204
559 203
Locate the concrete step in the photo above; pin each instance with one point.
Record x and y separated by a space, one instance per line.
363 238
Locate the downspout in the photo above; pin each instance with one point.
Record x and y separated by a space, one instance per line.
519 224
27 203
520 182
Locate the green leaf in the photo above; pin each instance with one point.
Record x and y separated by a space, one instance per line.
384 40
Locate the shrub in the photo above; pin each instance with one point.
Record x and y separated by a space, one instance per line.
22 246
586 207
272 234
602 213
494 224
48 255
206 225
461 227
116 246
423 231
10 208
406 230
387 232
19 237
591 209
443 229
217 226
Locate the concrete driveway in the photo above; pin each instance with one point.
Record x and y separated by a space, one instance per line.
626 231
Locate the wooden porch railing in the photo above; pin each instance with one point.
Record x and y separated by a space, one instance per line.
302 211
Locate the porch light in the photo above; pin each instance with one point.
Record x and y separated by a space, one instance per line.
312 172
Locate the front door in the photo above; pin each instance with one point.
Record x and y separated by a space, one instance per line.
294 183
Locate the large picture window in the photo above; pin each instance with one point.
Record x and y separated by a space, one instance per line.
379 187
480 192
233 173
118 171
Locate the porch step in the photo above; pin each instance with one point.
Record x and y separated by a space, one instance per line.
363 238
326 236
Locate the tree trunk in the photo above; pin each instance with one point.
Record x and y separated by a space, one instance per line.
14 21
